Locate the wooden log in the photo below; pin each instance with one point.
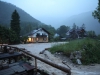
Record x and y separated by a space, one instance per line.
47 48
36 65
64 69
44 50
50 63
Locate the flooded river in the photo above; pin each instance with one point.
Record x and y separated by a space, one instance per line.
36 48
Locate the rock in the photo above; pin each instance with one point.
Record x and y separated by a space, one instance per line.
53 73
64 61
78 55
92 65
78 61
72 56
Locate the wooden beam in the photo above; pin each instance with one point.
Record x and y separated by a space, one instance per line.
50 63
62 68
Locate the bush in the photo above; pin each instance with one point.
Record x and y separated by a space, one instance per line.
91 54
98 37
56 39
24 39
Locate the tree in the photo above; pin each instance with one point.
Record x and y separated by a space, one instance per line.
96 13
3 31
74 26
77 27
98 37
83 26
73 34
7 36
29 28
91 34
82 32
15 24
62 30
24 39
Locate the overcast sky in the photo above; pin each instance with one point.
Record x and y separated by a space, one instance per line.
54 9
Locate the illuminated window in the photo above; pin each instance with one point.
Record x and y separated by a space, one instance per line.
37 39
29 39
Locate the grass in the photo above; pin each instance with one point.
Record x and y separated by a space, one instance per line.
68 47
89 55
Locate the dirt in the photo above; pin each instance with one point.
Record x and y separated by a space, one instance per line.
36 48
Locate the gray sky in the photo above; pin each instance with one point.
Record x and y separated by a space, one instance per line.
48 11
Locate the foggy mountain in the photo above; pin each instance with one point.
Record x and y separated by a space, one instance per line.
27 22
6 10
86 18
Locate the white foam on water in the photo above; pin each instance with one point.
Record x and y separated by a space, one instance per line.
77 72
36 48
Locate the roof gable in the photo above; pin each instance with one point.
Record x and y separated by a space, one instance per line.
36 30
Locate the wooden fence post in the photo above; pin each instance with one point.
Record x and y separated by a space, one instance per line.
36 65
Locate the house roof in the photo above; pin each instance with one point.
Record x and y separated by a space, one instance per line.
36 30
56 35
71 30
45 30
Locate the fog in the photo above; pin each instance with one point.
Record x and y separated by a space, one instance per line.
54 12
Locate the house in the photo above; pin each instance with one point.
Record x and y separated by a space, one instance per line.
76 33
38 35
56 35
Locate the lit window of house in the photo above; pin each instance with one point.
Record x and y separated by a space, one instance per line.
29 39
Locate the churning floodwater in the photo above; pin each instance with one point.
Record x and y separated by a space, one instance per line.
36 48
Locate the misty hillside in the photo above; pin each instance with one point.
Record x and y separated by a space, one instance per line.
27 22
87 19
6 10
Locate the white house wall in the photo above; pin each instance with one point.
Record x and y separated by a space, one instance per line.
40 32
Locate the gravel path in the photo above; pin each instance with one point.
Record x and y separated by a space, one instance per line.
36 48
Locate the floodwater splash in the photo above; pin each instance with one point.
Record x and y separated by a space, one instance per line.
77 72
36 48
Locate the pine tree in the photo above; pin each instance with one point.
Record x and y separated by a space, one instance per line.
15 24
74 26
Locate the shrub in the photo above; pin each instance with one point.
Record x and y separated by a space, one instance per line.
98 37
91 54
24 39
